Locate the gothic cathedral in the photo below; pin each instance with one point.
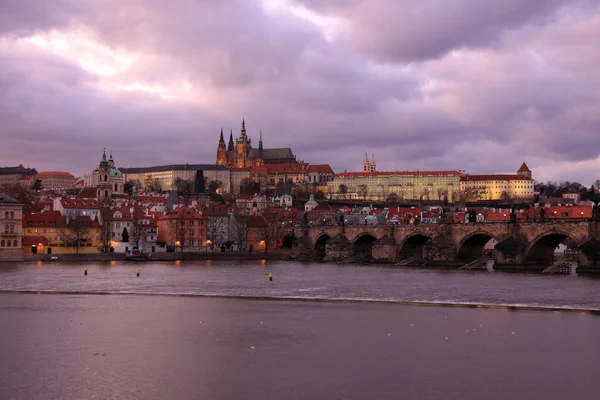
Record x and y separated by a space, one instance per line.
242 155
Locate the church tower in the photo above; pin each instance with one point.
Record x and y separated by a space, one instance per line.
242 147
104 189
366 165
372 167
525 171
221 151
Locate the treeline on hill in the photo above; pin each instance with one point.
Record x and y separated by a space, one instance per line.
555 189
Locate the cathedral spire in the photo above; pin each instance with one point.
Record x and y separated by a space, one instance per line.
260 145
243 128
230 146
103 162
221 140
110 158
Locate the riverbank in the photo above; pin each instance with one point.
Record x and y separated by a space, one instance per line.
226 256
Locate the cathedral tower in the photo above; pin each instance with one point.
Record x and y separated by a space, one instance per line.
221 151
242 148
230 145
104 186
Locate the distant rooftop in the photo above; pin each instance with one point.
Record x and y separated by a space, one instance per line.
17 170
174 167
4 199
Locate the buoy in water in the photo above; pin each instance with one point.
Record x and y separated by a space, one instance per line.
85 270
137 272
270 277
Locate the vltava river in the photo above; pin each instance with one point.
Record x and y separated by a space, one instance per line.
137 343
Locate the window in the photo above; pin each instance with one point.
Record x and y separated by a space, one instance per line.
15 243
2 243
8 243
6 215
5 228
12 215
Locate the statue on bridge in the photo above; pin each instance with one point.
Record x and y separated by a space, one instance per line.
542 215
513 216
596 212
342 220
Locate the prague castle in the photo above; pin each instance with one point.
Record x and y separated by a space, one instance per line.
241 154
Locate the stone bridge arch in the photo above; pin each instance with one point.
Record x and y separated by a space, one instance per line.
412 245
471 246
540 250
287 241
320 244
363 242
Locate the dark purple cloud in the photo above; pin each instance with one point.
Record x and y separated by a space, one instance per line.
432 84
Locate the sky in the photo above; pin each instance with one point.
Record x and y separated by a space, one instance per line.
474 85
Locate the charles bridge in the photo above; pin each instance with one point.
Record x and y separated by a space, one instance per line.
519 245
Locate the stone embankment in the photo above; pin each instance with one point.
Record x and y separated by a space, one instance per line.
226 256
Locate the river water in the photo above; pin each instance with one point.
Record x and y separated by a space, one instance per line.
221 330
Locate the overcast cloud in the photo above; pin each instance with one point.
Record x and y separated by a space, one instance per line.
479 85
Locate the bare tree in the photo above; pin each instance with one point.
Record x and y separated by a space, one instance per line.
248 186
240 230
130 184
25 195
105 235
151 184
216 227
138 229
181 229
182 185
77 232
440 193
392 197
343 189
363 189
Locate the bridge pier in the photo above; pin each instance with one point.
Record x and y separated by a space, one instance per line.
589 257
337 248
384 250
510 254
440 251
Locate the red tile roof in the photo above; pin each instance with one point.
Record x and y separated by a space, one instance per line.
87 193
152 199
34 241
55 173
402 173
320 168
524 168
80 203
496 177
290 168
45 219
182 212
26 178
